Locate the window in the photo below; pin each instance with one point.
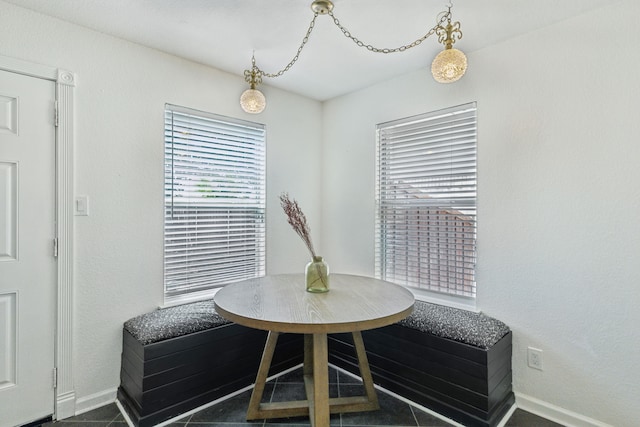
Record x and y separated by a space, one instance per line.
426 201
214 201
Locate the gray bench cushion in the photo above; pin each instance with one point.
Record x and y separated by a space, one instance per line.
174 322
475 329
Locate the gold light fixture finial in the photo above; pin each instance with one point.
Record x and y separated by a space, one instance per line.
450 64
252 100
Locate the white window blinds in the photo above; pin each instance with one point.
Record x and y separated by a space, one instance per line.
426 201
214 227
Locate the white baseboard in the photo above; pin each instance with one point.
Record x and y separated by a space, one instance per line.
555 413
126 416
401 398
65 405
507 416
94 401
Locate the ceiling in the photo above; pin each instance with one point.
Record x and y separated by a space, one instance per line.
225 33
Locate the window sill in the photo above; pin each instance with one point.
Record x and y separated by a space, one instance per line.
188 298
463 303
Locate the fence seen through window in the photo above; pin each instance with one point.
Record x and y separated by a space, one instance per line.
426 201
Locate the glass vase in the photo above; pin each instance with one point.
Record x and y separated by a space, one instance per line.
317 275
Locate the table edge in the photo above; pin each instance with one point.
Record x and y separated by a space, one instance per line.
310 328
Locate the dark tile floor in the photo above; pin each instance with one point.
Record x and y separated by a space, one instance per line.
231 412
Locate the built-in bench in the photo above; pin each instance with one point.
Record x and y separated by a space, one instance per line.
179 358
452 361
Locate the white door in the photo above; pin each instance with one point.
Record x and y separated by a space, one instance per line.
27 265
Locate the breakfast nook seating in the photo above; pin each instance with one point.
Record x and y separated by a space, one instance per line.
452 361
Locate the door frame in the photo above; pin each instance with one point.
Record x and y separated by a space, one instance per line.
65 81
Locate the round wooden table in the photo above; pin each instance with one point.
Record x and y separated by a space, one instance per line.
280 303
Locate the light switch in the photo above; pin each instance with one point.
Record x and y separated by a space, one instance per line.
82 206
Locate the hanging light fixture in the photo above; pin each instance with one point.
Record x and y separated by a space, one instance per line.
252 100
450 64
444 69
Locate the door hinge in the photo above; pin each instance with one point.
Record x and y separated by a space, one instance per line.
55 247
55 377
56 115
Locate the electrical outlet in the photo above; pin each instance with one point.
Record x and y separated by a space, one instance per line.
534 358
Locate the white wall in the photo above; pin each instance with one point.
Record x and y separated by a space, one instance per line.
558 189
121 92
559 196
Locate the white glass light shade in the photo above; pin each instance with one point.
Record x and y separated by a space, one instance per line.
253 101
449 65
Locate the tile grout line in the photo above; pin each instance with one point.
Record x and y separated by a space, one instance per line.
273 393
113 419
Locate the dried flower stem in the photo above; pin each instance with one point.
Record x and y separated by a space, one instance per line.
297 220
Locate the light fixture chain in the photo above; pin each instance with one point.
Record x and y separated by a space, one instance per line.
347 33
254 76
297 55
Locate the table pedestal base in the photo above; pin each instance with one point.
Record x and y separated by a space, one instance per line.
318 405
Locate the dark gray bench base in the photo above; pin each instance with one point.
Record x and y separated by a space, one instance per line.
468 384
451 361
162 380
